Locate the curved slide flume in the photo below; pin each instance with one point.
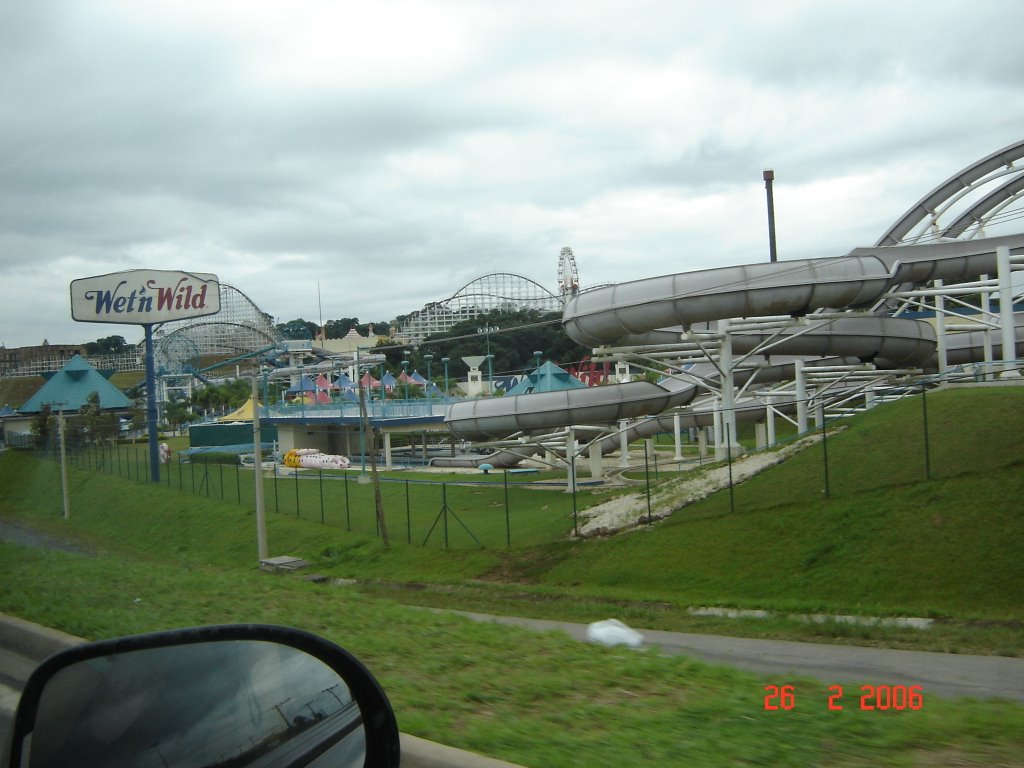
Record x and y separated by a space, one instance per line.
658 309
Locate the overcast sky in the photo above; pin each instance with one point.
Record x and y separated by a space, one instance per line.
394 151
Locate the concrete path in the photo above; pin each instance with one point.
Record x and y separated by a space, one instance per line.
939 674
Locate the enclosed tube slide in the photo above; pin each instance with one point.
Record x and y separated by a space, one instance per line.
658 310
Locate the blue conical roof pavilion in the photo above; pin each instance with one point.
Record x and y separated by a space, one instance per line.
548 378
70 387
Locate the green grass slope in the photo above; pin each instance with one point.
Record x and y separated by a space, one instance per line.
163 557
887 539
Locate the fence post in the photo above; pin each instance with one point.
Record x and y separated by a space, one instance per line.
348 513
295 471
321 474
824 451
575 518
927 449
508 527
408 515
728 456
647 482
444 501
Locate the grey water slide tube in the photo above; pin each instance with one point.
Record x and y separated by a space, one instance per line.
657 309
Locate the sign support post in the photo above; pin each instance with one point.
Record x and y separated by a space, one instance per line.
145 297
151 425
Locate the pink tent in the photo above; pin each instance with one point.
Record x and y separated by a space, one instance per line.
368 381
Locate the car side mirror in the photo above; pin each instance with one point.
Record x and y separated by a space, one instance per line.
234 695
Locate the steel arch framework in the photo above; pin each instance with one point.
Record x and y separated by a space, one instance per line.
979 195
497 290
239 328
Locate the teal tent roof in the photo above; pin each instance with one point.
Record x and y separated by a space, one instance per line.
70 388
548 378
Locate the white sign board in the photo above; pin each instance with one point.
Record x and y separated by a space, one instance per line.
144 296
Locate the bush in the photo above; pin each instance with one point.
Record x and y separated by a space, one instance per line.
215 457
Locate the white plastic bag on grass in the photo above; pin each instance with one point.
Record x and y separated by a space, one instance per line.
613 632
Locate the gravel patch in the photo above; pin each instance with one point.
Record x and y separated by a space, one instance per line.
627 512
24 536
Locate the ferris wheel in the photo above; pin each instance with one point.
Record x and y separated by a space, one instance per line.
568 276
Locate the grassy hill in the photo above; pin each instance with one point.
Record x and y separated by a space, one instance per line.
16 391
887 540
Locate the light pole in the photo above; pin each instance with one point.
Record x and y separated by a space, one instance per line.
486 330
362 418
445 361
537 356
383 389
769 177
63 460
405 371
430 405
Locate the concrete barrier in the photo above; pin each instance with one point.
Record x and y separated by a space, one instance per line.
36 642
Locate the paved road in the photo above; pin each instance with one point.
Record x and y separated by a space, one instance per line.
939 674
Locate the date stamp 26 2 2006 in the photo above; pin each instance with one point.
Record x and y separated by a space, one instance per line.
883 698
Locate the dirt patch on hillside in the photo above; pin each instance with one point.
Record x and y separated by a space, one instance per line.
626 512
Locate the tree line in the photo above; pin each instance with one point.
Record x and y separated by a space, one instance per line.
512 336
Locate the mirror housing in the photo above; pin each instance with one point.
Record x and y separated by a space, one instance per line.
229 695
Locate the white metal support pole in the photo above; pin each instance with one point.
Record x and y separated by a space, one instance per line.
257 457
770 418
940 328
728 385
623 445
570 460
677 434
801 397
596 460
389 460
1009 335
986 309
718 431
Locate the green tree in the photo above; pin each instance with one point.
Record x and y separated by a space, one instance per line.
110 345
92 424
177 411
42 426
298 329
337 329
138 416
520 334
